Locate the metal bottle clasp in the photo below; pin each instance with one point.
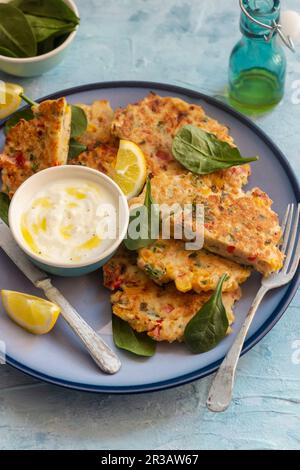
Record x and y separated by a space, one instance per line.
274 28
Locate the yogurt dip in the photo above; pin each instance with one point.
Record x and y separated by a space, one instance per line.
70 221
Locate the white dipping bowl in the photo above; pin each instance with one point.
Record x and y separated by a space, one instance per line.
33 66
26 194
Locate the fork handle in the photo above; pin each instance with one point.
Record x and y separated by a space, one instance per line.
220 392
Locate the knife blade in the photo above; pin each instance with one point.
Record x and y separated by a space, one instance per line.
102 354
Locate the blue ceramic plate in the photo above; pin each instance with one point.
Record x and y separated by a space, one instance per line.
59 357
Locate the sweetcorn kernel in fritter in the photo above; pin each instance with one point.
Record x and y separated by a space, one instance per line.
152 124
162 312
168 260
35 145
242 226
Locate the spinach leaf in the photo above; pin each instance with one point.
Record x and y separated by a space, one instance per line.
4 206
126 338
47 45
7 52
26 114
43 28
140 223
209 326
16 34
75 149
60 39
79 121
202 153
78 127
51 43
50 9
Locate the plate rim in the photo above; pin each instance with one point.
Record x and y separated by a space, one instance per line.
267 325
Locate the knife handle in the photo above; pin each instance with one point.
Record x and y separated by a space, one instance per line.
104 357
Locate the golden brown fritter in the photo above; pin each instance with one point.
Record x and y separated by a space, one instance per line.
102 146
100 116
35 145
168 260
162 312
244 229
100 158
241 227
152 124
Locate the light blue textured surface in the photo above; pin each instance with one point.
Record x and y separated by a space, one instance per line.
185 42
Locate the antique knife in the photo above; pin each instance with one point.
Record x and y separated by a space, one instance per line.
104 357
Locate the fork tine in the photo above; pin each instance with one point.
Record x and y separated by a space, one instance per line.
291 244
295 260
287 227
284 221
283 224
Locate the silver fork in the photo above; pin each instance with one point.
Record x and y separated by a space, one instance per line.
220 392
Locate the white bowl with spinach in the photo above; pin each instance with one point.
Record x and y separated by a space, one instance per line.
35 34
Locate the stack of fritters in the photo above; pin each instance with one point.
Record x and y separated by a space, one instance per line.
160 288
42 142
240 226
162 312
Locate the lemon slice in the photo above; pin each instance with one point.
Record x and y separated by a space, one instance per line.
10 98
38 316
130 170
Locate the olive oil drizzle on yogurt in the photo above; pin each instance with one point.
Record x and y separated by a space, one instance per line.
66 221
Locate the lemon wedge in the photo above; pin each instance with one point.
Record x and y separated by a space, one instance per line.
38 316
10 98
130 170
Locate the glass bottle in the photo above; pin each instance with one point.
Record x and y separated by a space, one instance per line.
257 68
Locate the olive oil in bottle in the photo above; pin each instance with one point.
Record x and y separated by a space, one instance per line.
257 67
